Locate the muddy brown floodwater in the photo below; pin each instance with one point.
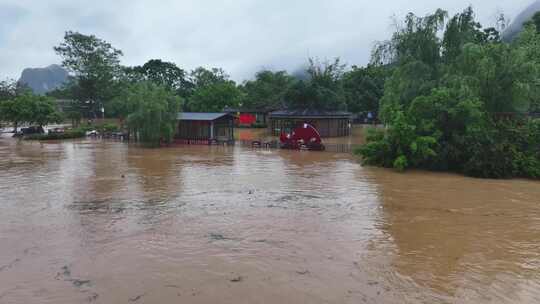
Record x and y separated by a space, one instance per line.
106 222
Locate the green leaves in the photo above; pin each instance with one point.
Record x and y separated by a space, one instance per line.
267 91
462 113
31 109
151 112
94 65
215 97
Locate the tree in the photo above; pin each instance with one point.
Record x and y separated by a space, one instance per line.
166 74
215 97
44 111
415 39
15 110
363 88
95 65
322 91
212 91
8 89
460 111
267 91
151 112
201 77
29 108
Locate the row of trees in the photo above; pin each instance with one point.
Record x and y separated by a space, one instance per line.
457 98
19 105
140 94
98 77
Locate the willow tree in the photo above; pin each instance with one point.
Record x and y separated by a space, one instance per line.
455 103
151 112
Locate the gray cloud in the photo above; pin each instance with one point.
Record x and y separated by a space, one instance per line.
241 36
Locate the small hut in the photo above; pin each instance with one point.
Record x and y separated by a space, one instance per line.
205 127
328 123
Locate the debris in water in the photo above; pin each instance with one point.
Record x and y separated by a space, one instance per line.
8 266
137 298
93 297
66 272
303 272
80 283
217 237
237 279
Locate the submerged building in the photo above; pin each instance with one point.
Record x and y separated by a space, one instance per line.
328 123
205 127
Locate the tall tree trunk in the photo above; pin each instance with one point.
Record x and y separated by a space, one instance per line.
15 126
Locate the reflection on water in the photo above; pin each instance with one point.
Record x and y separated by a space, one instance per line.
105 222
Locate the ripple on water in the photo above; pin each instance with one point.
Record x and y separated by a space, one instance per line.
295 226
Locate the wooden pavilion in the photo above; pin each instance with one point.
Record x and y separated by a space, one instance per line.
204 128
328 123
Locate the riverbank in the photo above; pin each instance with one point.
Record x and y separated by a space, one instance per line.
109 222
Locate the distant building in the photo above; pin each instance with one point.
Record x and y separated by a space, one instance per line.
328 123
249 117
205 127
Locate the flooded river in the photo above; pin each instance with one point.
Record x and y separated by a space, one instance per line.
106 222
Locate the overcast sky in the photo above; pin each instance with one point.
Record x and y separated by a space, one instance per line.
241 36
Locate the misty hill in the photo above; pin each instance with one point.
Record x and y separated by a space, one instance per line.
517 25
43 80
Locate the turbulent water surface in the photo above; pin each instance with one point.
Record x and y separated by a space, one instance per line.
105 222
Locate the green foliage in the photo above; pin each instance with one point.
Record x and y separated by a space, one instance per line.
401 163
69 134
363 88
31 109
151 112
95 65
415 39
201 77
215 97
8 89
267 91
458 104
108 128
166 74
322 91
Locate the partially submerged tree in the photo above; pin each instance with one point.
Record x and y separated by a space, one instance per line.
458 103
150 112
31 109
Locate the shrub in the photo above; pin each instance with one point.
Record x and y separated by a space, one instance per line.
70 134
108 128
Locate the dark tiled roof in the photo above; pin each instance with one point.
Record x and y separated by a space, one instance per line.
199 116
309 113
